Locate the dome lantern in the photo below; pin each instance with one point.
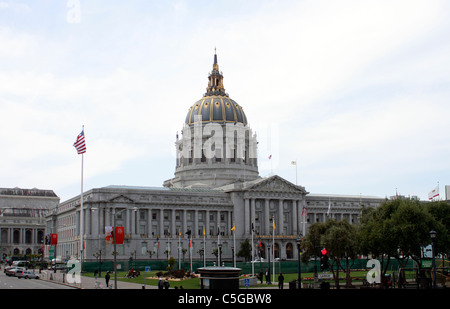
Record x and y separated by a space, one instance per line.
216 105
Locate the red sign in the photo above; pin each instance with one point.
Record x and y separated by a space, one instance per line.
54 239
324 251
119 235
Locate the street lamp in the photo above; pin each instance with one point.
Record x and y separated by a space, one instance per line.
299 243
220 255
115 245
433 235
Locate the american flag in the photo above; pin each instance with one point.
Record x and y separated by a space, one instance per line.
80 145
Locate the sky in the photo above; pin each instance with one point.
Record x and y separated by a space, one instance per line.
356 92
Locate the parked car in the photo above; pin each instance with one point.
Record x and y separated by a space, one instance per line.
24 264
26 274
11 271
61 267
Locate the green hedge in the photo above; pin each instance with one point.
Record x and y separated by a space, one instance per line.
286 266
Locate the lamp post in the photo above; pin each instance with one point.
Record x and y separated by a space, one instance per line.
433 235
115 245
299 243
220 255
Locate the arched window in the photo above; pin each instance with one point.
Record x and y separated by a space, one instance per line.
16 236
289 251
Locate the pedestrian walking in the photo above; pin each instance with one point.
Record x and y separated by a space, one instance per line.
107 277
166 284
160 284
280 281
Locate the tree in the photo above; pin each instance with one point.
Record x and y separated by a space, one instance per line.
397 228
440 210
311 243
339 239
374 234
410 225
245 250
341 243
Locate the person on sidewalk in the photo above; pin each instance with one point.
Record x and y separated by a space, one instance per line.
107 276
166 284
280 281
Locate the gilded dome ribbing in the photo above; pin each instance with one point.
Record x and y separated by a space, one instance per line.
216 106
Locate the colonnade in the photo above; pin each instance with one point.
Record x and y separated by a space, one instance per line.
157 221
285 212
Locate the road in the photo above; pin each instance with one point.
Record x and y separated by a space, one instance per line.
16 283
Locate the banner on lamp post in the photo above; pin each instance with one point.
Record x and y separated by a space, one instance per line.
119 235
109 235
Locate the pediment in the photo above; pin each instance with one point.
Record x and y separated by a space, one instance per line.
122 199
276 184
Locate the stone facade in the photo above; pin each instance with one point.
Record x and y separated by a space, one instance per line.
22 220
216 195
158 215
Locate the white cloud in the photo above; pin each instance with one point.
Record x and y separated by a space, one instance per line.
344 83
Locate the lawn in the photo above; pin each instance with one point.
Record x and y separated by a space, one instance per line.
195 283
143 279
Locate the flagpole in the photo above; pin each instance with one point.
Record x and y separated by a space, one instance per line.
190 251
295 171
81 212
204 248
304 224
218 247
234 245
439 197
252 260
273 250
179 249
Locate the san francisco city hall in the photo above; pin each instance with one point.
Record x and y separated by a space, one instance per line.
216 186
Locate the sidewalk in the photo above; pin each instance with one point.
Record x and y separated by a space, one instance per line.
89 282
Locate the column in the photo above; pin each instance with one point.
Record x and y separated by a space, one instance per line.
207 223
87 230
161 222
108 212
253 212
77 224
173 227
184 221
129 222
195 231
95 220
149 222
280 218
230 222
247 217
101 221
218 222
295 217
266 217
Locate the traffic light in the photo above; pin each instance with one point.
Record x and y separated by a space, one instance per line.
324 260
